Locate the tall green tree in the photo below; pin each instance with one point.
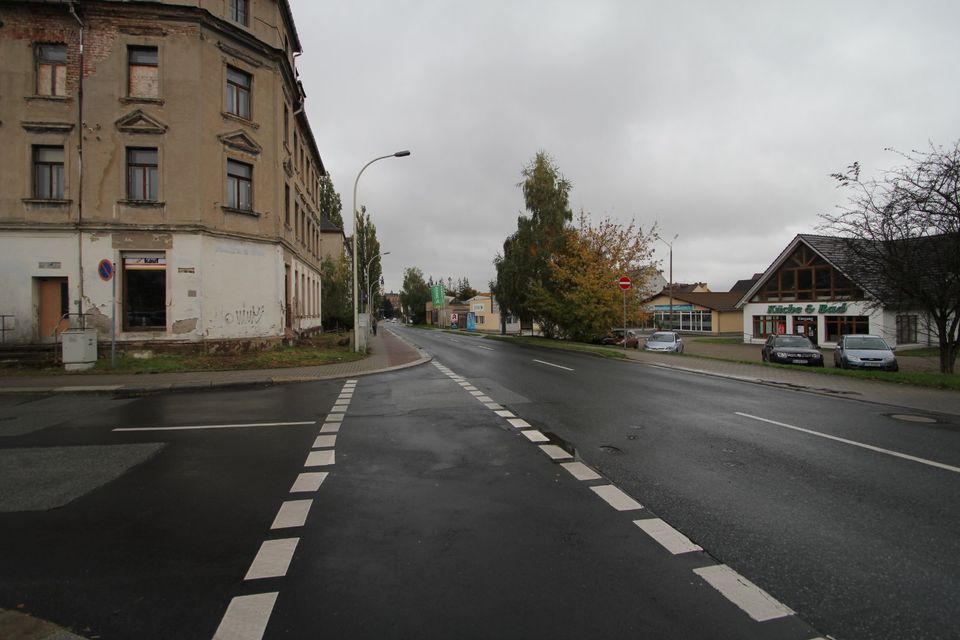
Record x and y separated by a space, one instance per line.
523 267
330 205
368 253
336 281
415 294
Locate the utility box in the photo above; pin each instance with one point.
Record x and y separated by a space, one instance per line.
79 349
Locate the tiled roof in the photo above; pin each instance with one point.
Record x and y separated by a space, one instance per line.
716 300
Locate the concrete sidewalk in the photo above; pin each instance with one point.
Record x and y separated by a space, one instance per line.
387 352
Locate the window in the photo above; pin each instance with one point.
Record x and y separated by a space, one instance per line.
286 124
238 11
286 204
51 69
48 173
837 326
238 92
144 291
143 72
142 176
239 185
805 276
906 329
766 325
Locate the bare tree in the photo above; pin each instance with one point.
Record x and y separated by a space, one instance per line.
902 231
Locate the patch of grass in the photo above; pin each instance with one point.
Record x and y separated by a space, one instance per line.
718 340
562 345
928 352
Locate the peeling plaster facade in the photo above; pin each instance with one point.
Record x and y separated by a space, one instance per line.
207 255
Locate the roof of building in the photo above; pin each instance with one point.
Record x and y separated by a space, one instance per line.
715 300
744 285
326 225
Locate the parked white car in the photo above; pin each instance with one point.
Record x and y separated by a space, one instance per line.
664 341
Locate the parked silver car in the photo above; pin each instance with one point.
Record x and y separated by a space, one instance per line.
664 341
861 351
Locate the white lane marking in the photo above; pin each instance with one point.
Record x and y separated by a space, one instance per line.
308 481
896 454
580 471
465 384
335 418
345 396
338 409
470 387
480 346
293 513
550 364
668 537
616 498
351 382
484 398
535 436
246 617
330 427
320 458
519 423
218 426
555 452
476 393
505 414
325 442
273 559
755 602
493 405
341 401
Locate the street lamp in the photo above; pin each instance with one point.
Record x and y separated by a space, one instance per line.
356 313
670 244
370 284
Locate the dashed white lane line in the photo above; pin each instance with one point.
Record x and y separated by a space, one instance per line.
550 364
755 602
580 471
668 537
330 427
476 393
334 417
219 426
535 436
293 513
519 423
487 348
308 481
555 452
484 398
320 458
339 402
471 388
325 442
493 405
616 498
273 559
246 617
337 409
505 414
888 452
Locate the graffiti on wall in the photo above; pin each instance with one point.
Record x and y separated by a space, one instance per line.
244 315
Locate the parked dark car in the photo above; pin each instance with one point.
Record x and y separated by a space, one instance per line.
669 341
616 337
789 349
861 351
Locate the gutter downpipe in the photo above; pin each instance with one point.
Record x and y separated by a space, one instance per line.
73 12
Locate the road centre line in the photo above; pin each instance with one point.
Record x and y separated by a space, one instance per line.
308 481
480 346
755 602
888 452
246 617
668 537
218 426
550 364
273 559
293 513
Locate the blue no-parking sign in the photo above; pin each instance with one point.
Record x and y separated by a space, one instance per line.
105 269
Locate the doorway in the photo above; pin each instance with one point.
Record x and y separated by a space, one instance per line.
806 326
54 303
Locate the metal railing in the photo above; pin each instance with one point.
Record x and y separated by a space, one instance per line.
3 327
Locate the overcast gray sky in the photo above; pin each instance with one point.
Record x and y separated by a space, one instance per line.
720 121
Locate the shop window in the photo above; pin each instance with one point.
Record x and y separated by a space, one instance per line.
907 329
763 326
239 185
837 326
144 291
48 173
239 84
143 72
142 174
51 69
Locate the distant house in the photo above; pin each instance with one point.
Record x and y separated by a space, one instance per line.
697 311
333 241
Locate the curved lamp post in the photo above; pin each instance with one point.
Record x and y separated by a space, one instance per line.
670 244
370 284
356 302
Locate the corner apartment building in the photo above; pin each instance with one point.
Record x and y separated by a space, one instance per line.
165 141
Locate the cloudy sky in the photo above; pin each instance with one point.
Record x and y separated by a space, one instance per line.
717 120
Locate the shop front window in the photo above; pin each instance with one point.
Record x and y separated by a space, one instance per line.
837 326
766 325
145 291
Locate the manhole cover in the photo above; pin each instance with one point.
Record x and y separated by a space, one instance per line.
909 417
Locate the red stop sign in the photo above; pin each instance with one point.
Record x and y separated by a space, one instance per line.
624 283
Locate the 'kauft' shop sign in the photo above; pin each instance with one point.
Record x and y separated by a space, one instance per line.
810 308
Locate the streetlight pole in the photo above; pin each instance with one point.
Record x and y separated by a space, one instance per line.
356 302
670 244
369 284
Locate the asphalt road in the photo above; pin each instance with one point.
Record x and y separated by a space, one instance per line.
861 543
404 505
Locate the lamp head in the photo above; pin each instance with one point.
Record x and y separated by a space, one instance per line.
401 154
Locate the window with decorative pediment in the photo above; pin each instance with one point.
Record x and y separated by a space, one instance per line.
805 276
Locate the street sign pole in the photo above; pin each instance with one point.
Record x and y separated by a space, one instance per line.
113 320
624 284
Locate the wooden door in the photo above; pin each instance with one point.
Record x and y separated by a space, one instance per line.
54 298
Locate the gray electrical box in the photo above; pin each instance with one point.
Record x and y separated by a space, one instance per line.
79 349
